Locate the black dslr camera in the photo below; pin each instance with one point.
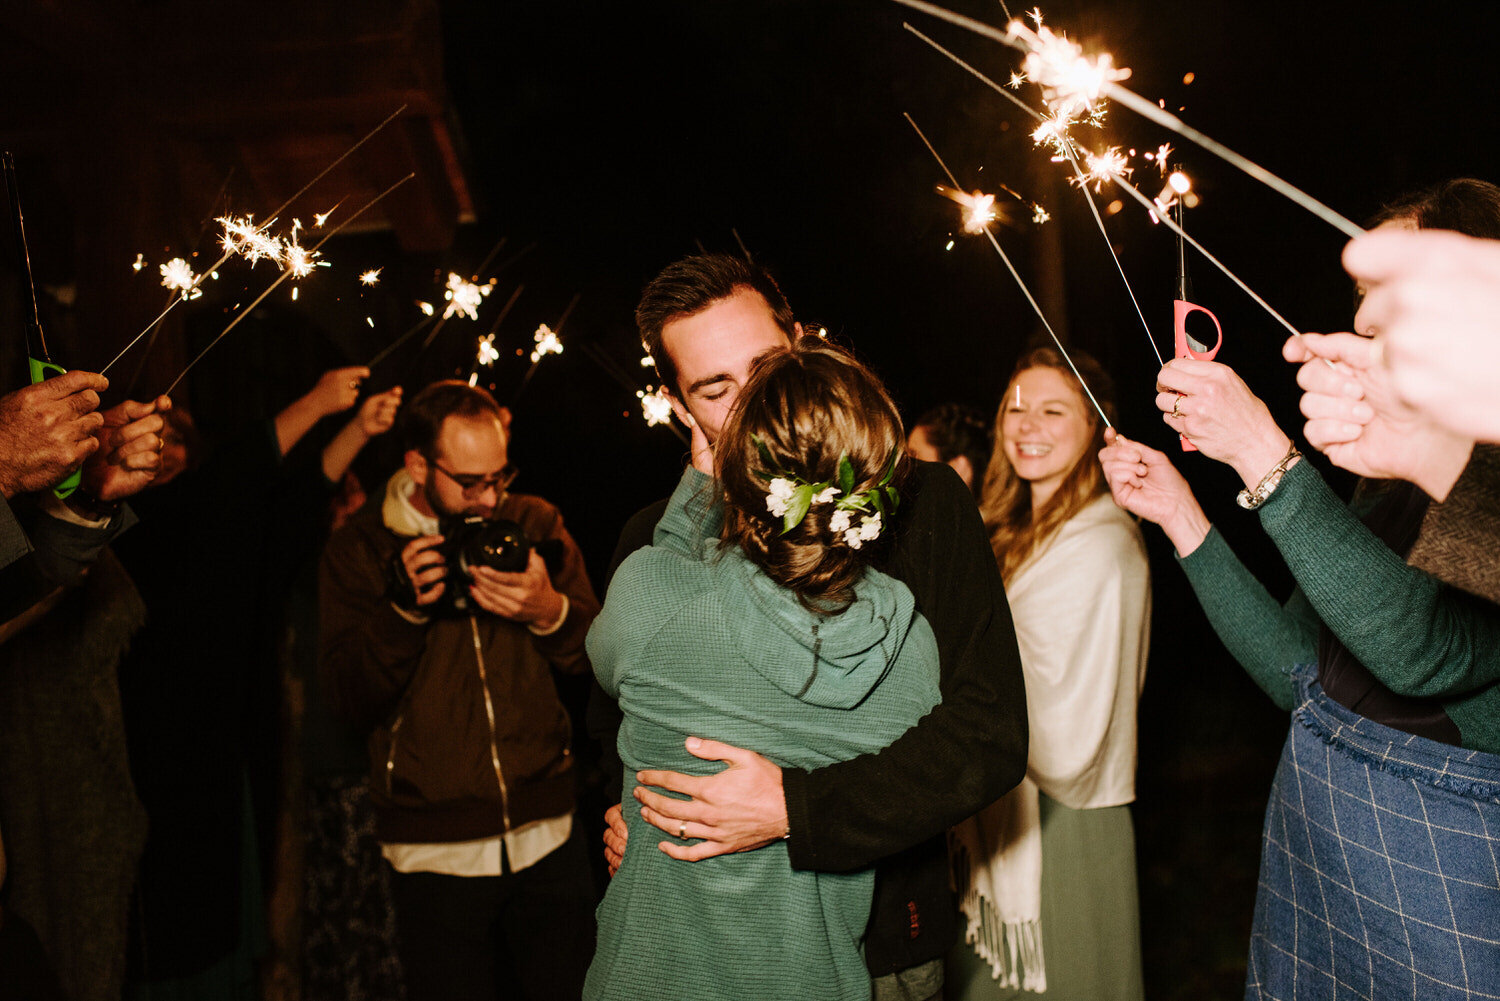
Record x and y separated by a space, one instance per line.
475 541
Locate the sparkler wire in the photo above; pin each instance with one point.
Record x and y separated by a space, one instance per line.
598 357
230 253
283 277
1072 156
1147 109
1017 276
1166 217
504 310
556 332
385 352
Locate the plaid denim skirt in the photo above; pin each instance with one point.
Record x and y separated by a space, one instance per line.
1380 865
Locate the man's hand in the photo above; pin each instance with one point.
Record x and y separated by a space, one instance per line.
526 597
378 413
1433 302
47 430
337 389
425 568
1355 418
699 449
737 810
129 453
615 836
1211 405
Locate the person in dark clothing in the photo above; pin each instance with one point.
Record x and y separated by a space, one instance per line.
217 543
958 435
706 320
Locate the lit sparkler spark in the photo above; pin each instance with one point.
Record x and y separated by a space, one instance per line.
1039 215
1162 152
655 406
488 353
1016 79
546 343
1178 184
298 261
1072 83
426 307
1035 14
647 361
140 262
371 277
178 275
1053 131
243 237
1111 165
319 218
465 297
979 209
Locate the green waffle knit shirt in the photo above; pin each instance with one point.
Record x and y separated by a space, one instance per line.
1418 636
696 640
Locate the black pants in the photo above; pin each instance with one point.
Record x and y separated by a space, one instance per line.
527 935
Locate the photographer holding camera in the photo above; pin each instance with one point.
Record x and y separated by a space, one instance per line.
448 661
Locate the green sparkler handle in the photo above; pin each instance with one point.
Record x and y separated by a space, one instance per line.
40 372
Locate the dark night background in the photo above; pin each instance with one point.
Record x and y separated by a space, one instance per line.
617 137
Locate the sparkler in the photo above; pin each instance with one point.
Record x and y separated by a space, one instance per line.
178 276
548 341
655 406
1036 308
486 357
1057 129
979 209
1075 80
652 400
230 252
371 277
283 277
140 262
464 297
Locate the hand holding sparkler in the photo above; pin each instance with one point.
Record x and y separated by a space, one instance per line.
1356 419
1144 482
129 453
1211 405
377 415
47 430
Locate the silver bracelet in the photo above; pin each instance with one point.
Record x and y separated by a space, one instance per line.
1252 499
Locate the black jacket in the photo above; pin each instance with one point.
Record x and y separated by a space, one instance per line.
892 809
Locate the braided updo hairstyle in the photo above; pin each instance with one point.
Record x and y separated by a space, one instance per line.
808 406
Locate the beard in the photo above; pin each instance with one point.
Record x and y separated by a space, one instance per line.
442 510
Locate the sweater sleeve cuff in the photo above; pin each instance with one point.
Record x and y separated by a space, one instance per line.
561 618
802 850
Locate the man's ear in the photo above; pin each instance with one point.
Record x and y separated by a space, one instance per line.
796 331
679 408
505 418
416 467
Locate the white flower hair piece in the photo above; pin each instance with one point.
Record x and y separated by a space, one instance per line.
789 499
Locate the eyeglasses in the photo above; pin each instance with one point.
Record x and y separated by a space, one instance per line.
474 485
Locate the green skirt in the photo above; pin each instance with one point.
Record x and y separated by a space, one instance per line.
1091 920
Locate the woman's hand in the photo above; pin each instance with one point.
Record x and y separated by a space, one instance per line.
1144 482
338 389
1212 406
1355 418
378 413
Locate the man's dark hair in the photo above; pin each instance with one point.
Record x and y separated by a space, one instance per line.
1465 205
423 417
954 429
690 286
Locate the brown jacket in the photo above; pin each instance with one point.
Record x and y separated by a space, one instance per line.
469 737
1461 536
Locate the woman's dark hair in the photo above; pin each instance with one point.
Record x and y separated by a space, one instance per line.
808 406
422 418
1464 205
954 429
690 286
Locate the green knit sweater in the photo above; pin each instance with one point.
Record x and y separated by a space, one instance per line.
1419 637
694 641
